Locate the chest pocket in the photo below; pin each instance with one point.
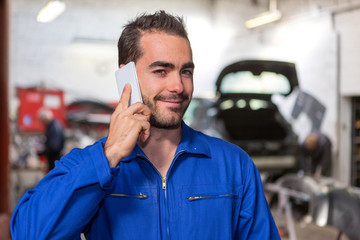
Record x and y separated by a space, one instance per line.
209 211
132 210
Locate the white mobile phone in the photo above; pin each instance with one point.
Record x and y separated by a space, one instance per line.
127 74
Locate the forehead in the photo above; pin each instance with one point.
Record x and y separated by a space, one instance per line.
165 47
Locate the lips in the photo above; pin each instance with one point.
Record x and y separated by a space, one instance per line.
172 103
172 99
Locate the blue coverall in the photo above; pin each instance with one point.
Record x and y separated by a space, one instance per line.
212 190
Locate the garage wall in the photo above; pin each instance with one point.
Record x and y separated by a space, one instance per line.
343 165
346 24
80 46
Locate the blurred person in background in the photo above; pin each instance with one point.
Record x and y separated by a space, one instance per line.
315 155
55 137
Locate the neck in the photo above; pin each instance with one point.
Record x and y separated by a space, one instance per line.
161 146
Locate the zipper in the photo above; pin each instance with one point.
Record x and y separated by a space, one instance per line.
164 188
209 196
164 184
140 196
163 180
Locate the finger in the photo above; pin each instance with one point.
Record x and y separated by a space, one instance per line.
145 133
139 108
141 117
125 97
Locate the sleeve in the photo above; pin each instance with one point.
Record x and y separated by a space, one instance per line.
65 200
255 220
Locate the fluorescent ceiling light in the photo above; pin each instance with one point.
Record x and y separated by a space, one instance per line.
52 10
264 18
267 17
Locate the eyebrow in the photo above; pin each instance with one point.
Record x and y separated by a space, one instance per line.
170 65
189 65
162 64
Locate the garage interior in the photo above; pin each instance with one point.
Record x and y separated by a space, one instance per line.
75 55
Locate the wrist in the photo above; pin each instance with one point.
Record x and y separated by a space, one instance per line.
112 157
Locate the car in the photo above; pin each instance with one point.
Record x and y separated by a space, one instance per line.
201 116
249 117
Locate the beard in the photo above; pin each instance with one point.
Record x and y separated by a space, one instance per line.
160 119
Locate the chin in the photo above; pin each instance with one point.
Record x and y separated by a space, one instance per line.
173 123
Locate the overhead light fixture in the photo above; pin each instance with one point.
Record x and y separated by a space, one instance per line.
264 18
267 17
51 11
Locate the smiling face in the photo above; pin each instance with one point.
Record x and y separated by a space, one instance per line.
165 73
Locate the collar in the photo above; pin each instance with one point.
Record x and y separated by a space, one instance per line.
192 142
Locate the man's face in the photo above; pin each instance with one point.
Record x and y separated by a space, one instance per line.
165 73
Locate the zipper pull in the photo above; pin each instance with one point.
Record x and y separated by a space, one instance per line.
143 195
164 183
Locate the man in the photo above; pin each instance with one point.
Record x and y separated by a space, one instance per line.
153 177
315 155
55 138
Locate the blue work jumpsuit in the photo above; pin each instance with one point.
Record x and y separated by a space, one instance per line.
211 191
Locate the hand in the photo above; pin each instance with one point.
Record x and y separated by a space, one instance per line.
128 124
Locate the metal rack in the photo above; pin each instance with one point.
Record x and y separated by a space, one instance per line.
355 161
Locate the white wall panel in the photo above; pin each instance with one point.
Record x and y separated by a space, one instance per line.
347 24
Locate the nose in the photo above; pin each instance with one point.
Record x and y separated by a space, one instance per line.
175 84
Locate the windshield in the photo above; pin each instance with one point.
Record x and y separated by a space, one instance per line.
247 82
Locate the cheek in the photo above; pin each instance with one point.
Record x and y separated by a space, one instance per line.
150 91
188 86
146 87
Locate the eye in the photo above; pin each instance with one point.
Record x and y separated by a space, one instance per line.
187 72
160 72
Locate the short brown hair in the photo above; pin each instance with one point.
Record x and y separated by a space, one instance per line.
128 44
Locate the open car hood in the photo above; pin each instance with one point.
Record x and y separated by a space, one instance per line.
244 106
254 68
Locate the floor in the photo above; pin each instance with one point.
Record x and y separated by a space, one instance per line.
312 232
305 229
